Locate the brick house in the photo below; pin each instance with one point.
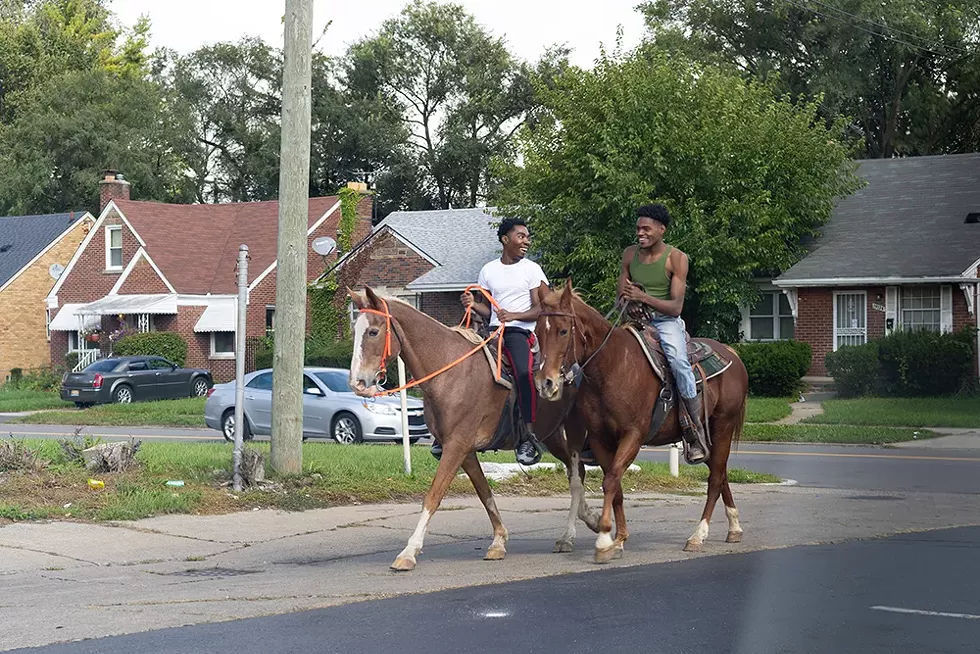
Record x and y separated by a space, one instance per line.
426 258
165 267
901 253
33 252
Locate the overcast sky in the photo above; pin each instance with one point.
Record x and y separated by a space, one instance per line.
529 26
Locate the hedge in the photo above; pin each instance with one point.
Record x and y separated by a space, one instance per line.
906 364
168 345
325 354
775 369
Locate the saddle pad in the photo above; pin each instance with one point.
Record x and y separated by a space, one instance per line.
699 353
491 356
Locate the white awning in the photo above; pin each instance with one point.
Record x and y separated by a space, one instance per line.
219 316
67 320
113 305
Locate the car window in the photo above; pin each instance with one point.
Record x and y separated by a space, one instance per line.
308 383
105 365
261 382
335 381
160 364
137 365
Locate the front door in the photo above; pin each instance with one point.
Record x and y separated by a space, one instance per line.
850 319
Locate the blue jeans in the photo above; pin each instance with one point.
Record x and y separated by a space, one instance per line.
672 339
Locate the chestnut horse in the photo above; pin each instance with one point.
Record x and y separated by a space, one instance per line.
615 403
462 405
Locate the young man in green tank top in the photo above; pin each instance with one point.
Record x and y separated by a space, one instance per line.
653 279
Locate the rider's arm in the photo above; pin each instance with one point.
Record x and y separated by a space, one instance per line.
477 304
678 287
532 314
624 272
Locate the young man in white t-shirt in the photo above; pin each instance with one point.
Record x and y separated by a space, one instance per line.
515 284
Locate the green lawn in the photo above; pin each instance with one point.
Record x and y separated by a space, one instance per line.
768 409
901 412
332 475
15 401
188 412
831 434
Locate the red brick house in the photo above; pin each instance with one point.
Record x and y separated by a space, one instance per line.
901 253
164 267
426 258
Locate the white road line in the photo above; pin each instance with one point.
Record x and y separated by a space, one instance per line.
941 614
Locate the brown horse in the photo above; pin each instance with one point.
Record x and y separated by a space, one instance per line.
615 403
463 407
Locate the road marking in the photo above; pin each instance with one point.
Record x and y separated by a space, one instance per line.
495 614
941 614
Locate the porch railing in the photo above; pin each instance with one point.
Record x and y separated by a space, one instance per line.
85 359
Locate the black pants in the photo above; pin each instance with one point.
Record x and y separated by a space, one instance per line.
517 347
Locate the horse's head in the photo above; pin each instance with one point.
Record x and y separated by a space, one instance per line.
557 333
375 343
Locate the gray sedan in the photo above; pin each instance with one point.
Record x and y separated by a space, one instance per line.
330 409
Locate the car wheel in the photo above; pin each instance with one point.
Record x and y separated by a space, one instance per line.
199 387
122 395
346 430
228 427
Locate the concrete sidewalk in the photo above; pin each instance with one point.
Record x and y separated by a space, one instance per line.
65 581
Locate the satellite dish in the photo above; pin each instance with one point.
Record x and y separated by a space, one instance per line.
55 270
324 245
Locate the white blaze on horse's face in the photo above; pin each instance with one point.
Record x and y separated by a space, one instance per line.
360 380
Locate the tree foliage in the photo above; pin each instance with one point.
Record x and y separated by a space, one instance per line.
744 176
906 72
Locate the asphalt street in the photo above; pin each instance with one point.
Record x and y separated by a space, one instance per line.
905 593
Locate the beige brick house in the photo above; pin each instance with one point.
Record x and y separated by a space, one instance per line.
34 250
148 266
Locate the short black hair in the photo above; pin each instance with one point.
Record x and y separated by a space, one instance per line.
507 225
656 212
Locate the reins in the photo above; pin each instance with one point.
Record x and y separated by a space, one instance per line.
621 307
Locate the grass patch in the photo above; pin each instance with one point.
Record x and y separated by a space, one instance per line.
332 475
15 401
901 412
832 434
188 412
768 409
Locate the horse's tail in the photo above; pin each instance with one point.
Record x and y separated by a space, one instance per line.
737 434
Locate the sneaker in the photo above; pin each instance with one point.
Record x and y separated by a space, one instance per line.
527 453
436 451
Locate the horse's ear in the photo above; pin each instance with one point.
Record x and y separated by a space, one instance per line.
357 299
372 297
566 295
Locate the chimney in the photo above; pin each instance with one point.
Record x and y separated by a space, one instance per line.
112 187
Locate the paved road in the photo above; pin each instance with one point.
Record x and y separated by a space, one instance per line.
870 596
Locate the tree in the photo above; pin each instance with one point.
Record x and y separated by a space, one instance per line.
905 71
460 93
744 176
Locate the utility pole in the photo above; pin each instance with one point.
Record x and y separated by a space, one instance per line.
240 365
286 454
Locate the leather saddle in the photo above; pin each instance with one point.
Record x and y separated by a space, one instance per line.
699 352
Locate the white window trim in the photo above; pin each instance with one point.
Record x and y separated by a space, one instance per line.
776 318
108 248
863 294
221 355
79 339
902 310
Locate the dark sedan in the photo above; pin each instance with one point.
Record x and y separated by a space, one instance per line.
121 380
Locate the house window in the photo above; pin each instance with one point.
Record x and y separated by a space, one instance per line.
222 345
78 343
47 324
921 308
771 319
113 248
270 321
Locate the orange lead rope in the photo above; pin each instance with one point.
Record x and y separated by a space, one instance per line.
386 354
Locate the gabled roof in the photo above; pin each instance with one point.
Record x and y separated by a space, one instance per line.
22 238
195 246
907 222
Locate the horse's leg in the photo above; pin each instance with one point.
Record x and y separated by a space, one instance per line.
717 482
622 533
452 458
566 543
498 549
606 548
586 513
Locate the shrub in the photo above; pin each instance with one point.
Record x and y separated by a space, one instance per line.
775 369
926 363
856 370
168 345
71 360
320 353
39 379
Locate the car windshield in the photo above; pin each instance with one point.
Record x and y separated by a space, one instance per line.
106 365
335 381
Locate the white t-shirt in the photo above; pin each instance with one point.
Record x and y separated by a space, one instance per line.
510 285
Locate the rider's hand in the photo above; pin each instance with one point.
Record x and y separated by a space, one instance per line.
466 299
505 316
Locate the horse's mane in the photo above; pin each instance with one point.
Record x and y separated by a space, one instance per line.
552 301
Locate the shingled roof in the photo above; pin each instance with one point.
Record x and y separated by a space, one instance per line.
909 221
196 245
24 237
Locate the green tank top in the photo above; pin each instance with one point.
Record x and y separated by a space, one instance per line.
652 276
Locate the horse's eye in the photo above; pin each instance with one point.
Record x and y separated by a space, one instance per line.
563 332
373 332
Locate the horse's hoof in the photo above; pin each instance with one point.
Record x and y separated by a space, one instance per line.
693 546
495 554
403 564
608 554
734 537
563 547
